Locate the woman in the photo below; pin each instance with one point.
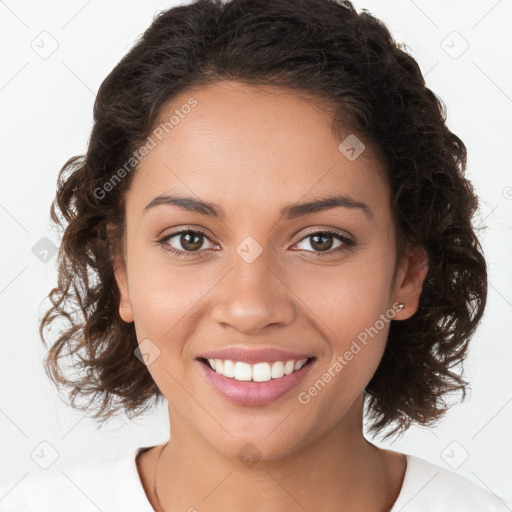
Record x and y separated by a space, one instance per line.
271 230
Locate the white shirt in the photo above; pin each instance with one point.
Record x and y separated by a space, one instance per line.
114 485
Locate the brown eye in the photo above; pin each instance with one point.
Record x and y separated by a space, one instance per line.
323 242
191 241
184 242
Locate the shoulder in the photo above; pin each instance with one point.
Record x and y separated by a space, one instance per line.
431 488
109 485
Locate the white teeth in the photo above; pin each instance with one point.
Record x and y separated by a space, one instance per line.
277 369
243 371
259 372
289 367
299 364
229 369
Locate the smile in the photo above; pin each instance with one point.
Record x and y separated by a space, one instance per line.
257 382
259 372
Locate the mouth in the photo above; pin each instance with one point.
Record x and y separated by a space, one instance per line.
254 384
259 372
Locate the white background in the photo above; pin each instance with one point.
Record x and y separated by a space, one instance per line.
46 112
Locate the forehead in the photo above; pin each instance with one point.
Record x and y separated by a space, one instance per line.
258 145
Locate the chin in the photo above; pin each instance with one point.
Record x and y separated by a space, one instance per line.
257 447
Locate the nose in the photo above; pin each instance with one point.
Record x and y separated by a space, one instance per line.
253 296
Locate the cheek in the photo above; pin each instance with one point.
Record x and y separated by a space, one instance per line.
350 306
345 298
165 299
159 285
165 302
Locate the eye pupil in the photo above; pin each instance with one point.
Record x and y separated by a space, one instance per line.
191 246
323 237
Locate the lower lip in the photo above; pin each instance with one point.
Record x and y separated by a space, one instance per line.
250 393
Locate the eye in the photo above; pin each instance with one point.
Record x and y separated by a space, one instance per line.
322 242
190 241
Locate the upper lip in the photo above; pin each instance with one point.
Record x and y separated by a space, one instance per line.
254 355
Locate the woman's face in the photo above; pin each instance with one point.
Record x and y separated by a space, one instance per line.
260 279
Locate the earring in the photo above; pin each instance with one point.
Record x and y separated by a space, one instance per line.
400 306
125 305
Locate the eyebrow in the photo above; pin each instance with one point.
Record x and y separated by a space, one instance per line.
289 211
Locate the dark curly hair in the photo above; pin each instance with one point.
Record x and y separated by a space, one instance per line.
329 52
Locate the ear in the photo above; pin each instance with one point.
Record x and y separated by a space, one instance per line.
409 281
125 307
121 277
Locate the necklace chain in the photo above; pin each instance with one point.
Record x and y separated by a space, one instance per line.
154 480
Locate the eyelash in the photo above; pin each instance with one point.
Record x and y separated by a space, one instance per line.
348 243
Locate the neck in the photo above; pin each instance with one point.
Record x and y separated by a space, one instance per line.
340 471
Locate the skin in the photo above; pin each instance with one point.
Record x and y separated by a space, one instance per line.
251 151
